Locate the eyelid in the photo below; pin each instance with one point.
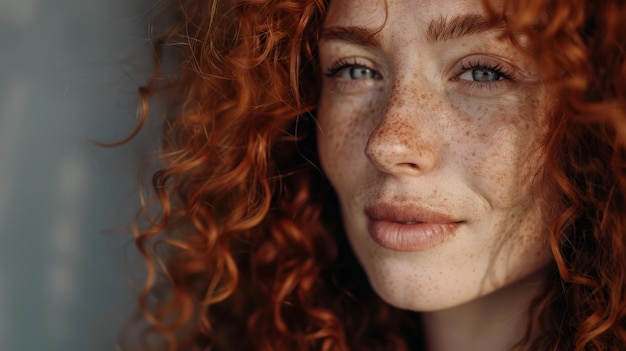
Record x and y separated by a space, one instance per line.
338 82
507 71
341 64
511 76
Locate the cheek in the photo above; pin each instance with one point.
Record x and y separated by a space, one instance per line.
344 128
502 162
500 148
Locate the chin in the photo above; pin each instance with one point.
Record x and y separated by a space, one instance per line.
420 290
421 298
430 291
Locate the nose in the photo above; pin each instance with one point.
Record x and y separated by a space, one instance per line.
405 140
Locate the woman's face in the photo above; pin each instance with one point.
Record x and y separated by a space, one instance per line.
430 126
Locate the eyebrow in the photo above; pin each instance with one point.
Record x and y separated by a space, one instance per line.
443 28
354 34
440 29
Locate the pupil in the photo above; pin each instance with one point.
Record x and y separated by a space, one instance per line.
359 73
484 75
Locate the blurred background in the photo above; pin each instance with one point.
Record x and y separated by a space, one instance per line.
69 71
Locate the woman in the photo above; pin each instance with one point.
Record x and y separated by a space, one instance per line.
391 175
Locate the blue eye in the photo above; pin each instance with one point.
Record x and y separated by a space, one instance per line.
482 73
352 71
359 72
485 75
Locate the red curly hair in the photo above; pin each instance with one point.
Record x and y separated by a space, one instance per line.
246 249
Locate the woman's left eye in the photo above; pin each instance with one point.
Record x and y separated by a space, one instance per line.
482 75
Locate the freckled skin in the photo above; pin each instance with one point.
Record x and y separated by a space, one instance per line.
421 136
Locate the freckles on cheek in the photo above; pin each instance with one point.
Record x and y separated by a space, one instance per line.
344 127
499 144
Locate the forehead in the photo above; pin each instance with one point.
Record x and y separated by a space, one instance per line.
399 24
397 13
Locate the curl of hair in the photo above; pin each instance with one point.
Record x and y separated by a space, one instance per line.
247 239
581 48
246 232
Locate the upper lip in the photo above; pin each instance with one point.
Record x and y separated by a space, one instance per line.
407 213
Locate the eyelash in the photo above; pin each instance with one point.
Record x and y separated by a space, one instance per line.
340 65
473 87
498 68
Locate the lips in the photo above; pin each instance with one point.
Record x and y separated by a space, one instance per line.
409 228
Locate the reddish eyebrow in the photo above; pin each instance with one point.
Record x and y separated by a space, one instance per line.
440 29
443 28
354 34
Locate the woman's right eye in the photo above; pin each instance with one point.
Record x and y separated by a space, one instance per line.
359 72
353 72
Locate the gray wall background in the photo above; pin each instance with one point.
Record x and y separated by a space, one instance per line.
68 74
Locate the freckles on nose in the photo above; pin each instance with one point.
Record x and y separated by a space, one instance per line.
398 143
400 135
408 133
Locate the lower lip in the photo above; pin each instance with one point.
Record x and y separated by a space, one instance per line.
410 237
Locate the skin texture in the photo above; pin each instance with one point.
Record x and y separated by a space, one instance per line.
403 122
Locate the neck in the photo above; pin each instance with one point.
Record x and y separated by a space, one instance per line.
495 322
